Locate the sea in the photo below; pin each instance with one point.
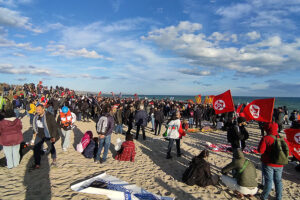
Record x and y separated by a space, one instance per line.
292 103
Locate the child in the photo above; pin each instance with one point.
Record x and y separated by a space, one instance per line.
127 151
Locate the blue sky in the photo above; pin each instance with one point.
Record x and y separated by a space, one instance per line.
184 47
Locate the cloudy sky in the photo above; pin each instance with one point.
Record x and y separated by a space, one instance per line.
180 47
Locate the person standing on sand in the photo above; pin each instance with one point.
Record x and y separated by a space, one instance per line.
66 120
271 171
105 127
10 137
45 130
141 119
174 133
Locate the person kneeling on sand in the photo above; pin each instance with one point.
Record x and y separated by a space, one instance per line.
127 151
198 173
244 176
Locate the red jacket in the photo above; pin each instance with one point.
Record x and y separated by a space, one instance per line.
10 132
264 147
127 152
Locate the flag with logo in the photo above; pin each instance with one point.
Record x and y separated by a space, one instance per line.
293 137
198 99
223 103
260 110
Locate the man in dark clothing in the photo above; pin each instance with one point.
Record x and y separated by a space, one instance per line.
85 110
159 119
129 117
141 119
234 135
45 130
198 116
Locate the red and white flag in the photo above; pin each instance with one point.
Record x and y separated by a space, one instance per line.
260 110
223 103
293 137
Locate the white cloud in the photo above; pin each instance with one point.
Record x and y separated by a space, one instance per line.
194 72
15 19
264 57
61 50
253 35
12 44
235 11
14 3
18 54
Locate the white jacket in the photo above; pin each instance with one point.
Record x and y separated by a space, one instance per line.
173 129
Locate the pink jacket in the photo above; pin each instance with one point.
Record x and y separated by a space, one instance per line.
10 132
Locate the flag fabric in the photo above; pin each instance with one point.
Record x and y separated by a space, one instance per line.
223 103
136 97
99 94
198 99
260 110
112 93
40 82
209 99
239 110
191 101
293 137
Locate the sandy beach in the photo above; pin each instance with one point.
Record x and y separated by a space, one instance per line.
151 170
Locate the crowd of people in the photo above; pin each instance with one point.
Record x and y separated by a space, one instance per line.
53 111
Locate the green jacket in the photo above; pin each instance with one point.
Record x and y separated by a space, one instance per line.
248 177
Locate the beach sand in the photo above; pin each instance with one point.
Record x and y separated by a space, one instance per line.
151 170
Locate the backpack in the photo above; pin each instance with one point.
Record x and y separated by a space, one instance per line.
85 140
18 103
279 151
89 150
102 125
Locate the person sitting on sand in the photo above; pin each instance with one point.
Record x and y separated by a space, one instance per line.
127 151
198 173
244 179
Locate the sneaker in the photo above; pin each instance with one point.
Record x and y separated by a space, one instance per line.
97 161
54 164
168 157
64 149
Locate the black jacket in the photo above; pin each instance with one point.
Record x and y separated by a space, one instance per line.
198 173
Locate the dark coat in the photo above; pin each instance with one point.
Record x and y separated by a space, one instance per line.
51 124
198 173
159 116
141 118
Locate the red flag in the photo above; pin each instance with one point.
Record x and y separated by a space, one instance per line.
260 110
293 137
99 94
223 103
238 110
136 97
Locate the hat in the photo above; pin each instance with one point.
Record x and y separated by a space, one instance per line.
241 119
65 109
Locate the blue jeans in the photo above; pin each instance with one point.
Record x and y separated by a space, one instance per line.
31 118
79 117
17 112
12 155
152 122
270 174
119 128
191 122
106 143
